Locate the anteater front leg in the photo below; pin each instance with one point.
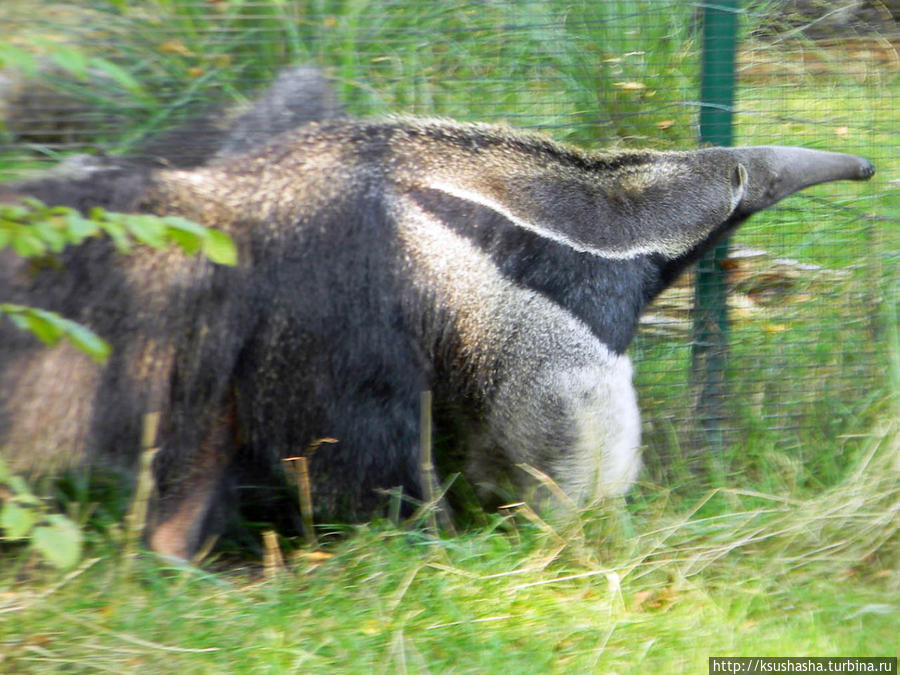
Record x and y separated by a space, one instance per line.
192 487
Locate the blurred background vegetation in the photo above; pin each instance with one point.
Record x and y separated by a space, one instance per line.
786 535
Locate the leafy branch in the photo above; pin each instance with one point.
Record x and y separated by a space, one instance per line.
32 229
25 517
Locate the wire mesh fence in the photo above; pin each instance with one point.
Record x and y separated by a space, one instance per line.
811 283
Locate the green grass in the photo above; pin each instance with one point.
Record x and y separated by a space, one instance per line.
737 573
566 67
782 543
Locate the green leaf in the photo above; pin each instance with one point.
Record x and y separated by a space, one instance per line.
148 230
80 228
23 493
71 60
220 248
16 520
43 325
5 471
58 540
186 234
180 224
18 486
14 316
14 312
15 212
27 243
117 231
13 57
51 235
120 76
87 341
188 242
50 327
34 203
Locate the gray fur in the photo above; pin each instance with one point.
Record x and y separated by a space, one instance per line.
298 95
499 269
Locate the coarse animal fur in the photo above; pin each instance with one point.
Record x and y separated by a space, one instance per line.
378 259
299 94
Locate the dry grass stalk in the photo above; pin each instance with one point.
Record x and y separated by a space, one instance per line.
551 485
136 520
426 463
300 472
273 560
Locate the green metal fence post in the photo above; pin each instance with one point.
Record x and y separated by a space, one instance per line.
710 340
